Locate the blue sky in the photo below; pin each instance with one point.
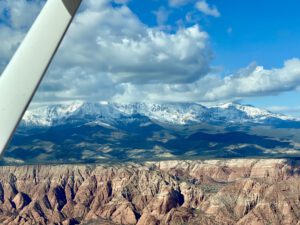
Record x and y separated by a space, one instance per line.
174 50
266 32
250 30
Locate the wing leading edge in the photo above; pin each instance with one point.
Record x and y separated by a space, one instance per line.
26 69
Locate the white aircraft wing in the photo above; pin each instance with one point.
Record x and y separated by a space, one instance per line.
26 69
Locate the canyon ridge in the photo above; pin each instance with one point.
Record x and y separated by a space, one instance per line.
237 191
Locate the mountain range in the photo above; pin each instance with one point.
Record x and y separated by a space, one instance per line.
113 132
172 113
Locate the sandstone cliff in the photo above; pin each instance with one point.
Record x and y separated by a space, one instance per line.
171 193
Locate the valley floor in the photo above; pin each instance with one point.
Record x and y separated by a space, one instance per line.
241 191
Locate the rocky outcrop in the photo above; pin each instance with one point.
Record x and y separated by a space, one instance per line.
168 193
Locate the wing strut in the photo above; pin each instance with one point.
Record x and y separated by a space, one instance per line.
26 69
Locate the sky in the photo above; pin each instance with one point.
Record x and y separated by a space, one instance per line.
206 51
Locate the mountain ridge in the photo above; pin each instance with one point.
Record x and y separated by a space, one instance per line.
173 113
244 192
111 132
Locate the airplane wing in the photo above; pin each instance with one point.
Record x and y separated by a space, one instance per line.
26 69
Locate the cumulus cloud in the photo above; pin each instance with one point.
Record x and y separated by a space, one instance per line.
114 41
109 54
15 18
162 15
19 14
257 81
10 40
248 82
177 3
205 8
108 46
76 84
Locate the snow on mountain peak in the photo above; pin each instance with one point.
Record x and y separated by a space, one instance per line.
174 113
252 112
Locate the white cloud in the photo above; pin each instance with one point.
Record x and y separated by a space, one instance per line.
108 46
109 54
177 3
19 13
10 40
190 92
162 15
205 8
251 81
77 84
122 1
257 81
15 18
113 40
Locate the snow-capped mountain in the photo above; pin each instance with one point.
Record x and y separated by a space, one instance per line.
232 112
110 132
174 113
